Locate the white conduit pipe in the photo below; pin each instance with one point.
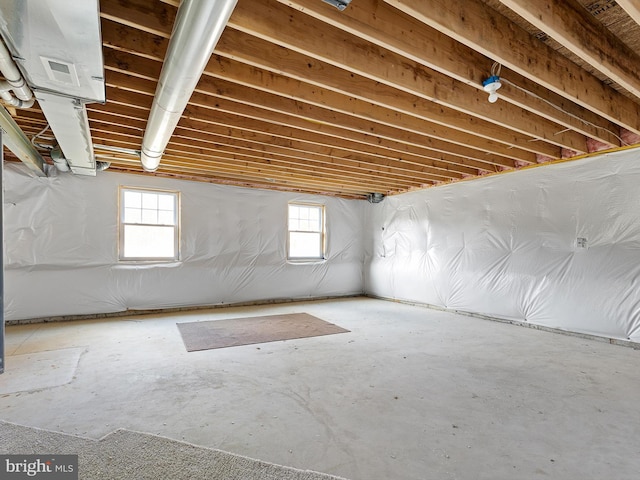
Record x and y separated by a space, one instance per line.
14 81
197 29
5 93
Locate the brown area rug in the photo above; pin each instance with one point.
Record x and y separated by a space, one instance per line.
251 330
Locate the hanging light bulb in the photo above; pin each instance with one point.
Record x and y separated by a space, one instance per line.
491 86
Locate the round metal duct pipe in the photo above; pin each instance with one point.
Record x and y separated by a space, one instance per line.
197 29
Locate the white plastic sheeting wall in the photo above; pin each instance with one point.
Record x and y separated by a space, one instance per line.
62 257
506 246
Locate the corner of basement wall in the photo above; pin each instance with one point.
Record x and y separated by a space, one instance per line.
555 246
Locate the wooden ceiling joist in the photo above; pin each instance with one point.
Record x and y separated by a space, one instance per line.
470 22
570 24
385 96
632 7
344 82
302 161
311 37
388 27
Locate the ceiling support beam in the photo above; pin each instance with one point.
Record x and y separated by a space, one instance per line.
259 53
234 126
436 91
632 7
379 23
570 24
314 38
473 24
229 71
16 141
235 98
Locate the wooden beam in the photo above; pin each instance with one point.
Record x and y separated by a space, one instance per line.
227 90
570 24
244 129
408 163
457 122
236 99
128 39
253 51
16 141
379 23
263 18
229 72
300 160
152 17
282 130
632 7
220 180
478 26
471 132
256 167
355 111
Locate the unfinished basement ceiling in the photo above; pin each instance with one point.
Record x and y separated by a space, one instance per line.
385 96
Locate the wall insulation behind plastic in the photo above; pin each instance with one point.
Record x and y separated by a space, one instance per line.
62 247
507 246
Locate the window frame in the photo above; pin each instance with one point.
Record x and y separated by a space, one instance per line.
121 224
323 234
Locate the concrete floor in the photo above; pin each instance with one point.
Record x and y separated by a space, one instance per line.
410 393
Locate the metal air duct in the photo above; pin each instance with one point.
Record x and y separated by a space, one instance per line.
57 47
197 29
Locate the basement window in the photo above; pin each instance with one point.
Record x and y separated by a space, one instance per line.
306 232
149 225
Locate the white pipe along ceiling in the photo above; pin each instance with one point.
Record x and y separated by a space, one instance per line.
197 29
14 82
22 97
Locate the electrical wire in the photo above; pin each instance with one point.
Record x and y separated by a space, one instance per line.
495 70
39 145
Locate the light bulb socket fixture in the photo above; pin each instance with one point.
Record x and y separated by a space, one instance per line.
491 86
339 4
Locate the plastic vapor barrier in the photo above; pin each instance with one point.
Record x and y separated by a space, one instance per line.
62 247
557 246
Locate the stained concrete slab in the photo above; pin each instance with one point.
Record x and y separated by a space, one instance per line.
410 393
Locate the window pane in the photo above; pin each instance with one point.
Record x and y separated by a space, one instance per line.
166 202
132 215
150 216
305 218
142 241
305 245
132 199
150 201
166 217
